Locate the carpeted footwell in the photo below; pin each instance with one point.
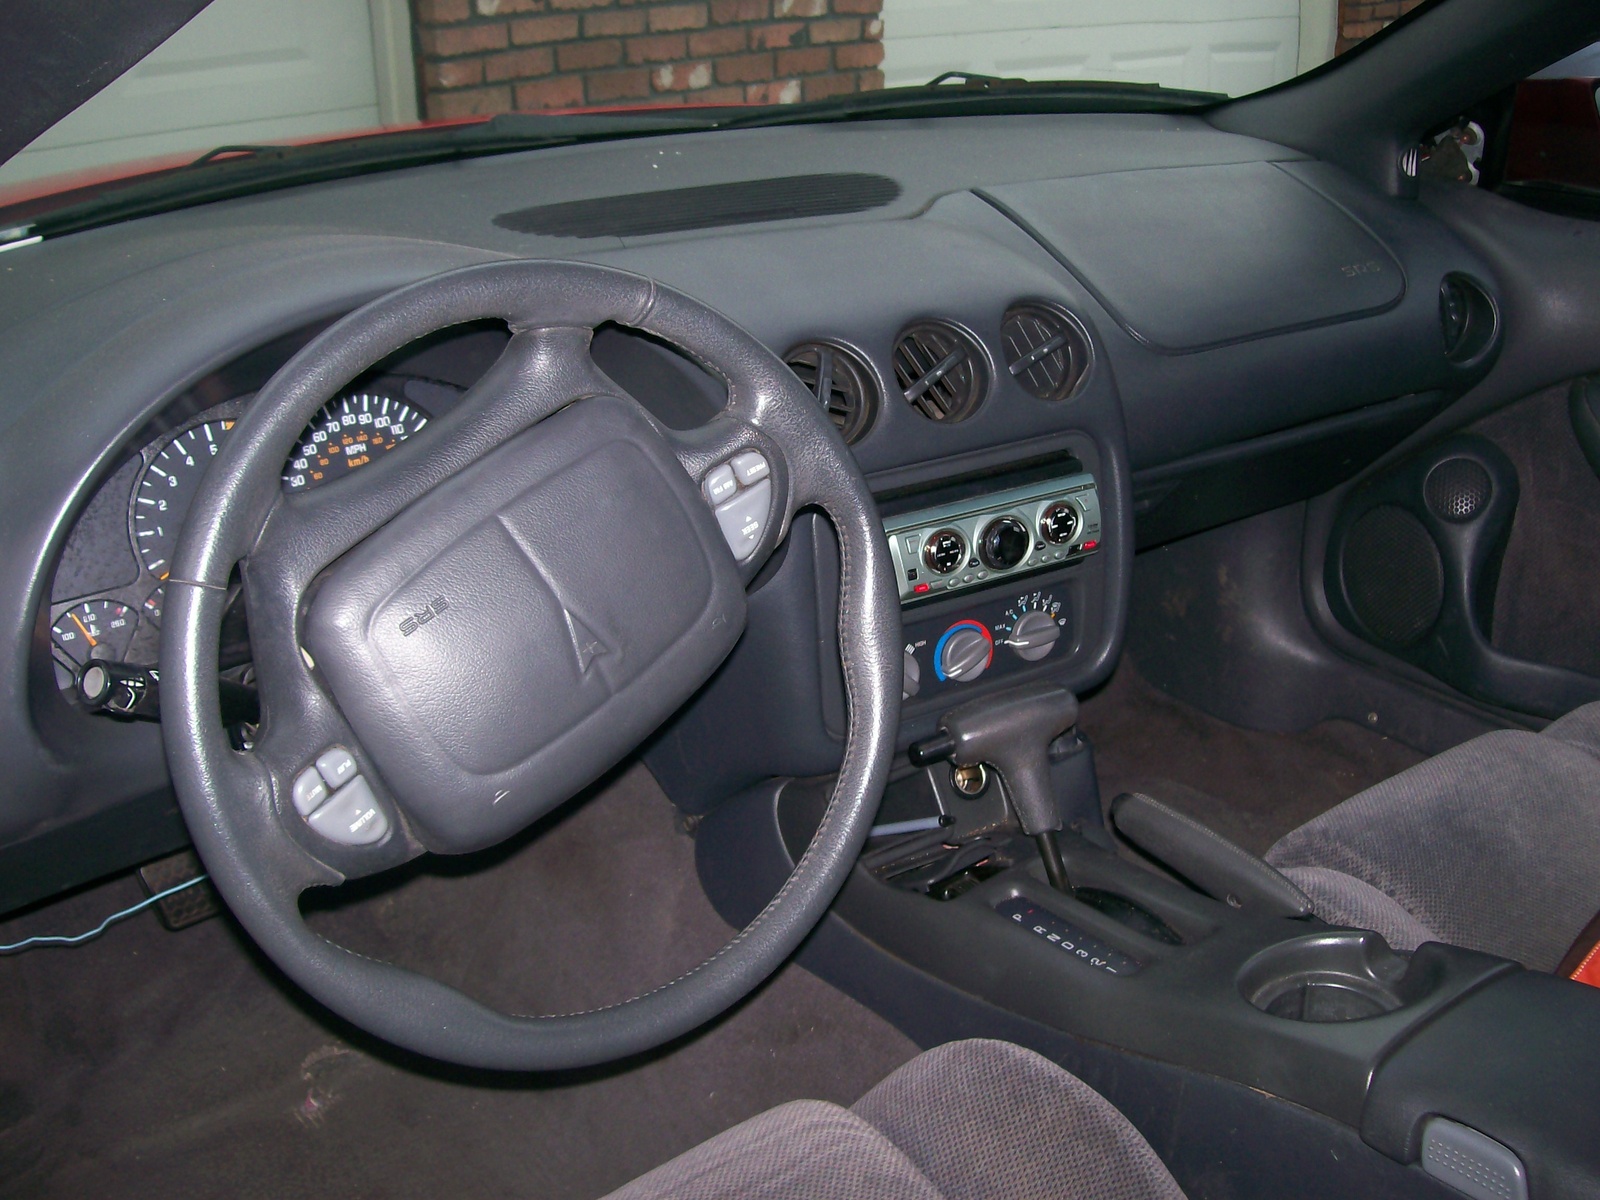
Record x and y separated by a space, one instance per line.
1249 786
156 1064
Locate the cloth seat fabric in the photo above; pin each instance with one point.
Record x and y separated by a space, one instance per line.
1493 845
972 1120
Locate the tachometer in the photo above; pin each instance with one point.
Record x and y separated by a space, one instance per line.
99 629
348 433
168 488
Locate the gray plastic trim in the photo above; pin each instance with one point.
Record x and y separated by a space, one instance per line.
1472 1162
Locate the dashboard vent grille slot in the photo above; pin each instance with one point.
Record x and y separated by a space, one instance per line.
674 210
939 370
841 382
1046 350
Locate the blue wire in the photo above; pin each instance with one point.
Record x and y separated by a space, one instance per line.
79 939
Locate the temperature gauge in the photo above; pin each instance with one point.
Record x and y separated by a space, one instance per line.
1031 627
95 629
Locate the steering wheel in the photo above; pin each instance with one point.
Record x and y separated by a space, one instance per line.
616 551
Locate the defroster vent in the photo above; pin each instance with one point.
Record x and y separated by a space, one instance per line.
674 210
939 370
841 382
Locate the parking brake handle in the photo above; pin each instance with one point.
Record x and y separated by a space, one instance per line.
1011 731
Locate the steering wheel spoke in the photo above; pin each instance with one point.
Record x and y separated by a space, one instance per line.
743 477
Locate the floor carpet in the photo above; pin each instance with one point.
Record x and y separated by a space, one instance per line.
157 1064
1251 787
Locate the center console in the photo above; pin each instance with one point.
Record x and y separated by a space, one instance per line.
1156 938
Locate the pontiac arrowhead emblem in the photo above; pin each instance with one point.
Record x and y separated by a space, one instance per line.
585 642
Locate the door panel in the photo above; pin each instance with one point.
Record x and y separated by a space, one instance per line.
1478 560
1547 605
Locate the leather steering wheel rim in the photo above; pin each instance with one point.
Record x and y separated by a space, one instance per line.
236 803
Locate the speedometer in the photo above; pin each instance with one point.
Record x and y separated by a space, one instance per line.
167 489
348 433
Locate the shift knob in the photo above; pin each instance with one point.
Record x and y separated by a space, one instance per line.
1012 732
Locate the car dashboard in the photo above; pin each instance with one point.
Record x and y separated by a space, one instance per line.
1049 340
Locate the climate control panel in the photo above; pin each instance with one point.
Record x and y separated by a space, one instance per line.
977 543
1007 634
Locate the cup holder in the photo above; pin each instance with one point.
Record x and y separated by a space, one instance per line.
1327 977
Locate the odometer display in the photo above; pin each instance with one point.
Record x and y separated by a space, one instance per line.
348 433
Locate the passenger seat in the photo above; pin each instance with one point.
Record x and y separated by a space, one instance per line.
1493 845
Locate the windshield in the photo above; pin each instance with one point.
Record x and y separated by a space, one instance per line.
254 72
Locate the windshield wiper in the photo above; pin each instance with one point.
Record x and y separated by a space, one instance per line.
964 93
228 172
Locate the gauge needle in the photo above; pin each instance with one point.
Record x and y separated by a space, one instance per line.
85 628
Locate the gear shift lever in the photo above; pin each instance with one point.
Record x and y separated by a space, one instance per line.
1012 732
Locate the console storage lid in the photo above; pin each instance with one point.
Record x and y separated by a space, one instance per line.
1518 1060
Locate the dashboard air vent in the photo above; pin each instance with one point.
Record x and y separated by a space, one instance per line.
674 210
1047 351
1468 317
939 370
841 382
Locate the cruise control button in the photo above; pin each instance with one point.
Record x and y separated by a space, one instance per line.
336 765
744 519
750 467
352 817
720 484
309 791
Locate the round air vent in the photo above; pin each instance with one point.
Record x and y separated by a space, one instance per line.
1457 489
1046 350
939 370
1393 577
841 382
1467 317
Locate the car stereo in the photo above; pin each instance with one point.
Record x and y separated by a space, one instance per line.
974 543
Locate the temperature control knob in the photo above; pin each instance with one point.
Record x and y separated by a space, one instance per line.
1059 523
964 652
1005 542
1034 636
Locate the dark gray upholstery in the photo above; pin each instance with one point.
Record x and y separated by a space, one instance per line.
986 1120
1492 845
1342 899
805 1149
1580 727
975 1120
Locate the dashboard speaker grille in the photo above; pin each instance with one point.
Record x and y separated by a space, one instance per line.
841 382
674 210
1457 489
939 370
1393 577
1046 351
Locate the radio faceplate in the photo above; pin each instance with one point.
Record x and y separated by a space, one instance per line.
975 543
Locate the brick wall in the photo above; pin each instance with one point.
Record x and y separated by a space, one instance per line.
1360 19
492 56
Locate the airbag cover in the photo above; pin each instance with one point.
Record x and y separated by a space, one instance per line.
510 636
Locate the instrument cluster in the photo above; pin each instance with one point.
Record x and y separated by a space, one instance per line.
110 587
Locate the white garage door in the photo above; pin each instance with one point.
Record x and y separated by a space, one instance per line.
242 71
1232 46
